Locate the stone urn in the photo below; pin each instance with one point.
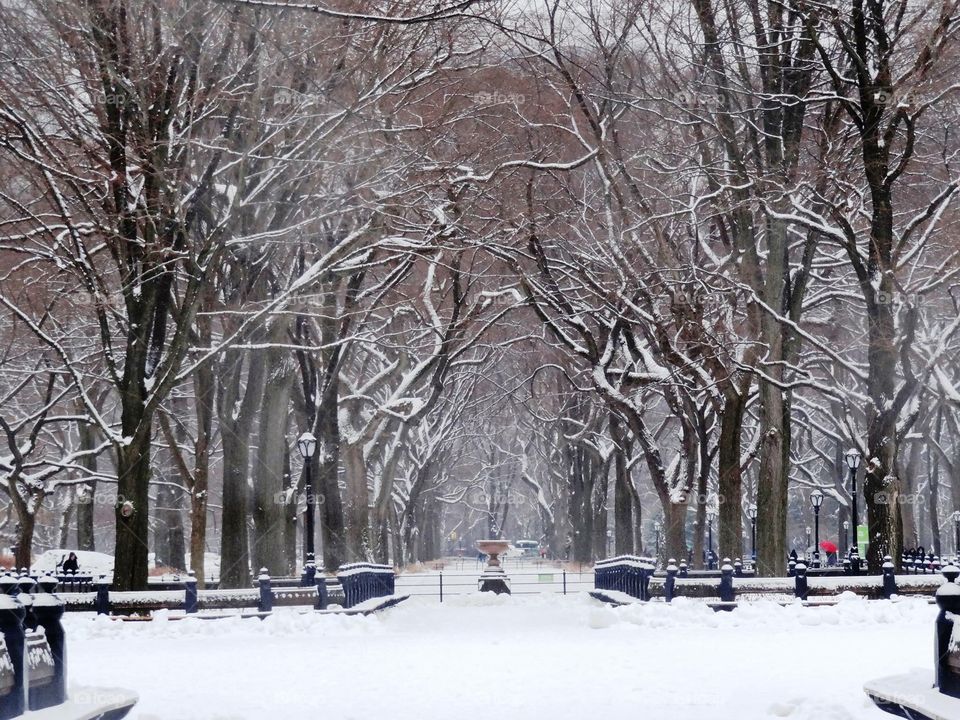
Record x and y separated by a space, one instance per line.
493 579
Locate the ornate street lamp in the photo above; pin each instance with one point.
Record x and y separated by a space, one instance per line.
852 457
816 499
307 445
752 514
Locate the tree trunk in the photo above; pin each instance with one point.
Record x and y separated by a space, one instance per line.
383 510
66 520
290 509
675 531
204 391
357 505
772 482
912 534
236 414
327 469
86 498
23 553
638 546
730 480
580 486
622 497
132 509
933 500
699 524
168 545
269 500
601 545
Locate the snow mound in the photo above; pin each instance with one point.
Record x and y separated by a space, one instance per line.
603 617
806 709
685 612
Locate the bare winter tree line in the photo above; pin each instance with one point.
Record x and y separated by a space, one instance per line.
585 272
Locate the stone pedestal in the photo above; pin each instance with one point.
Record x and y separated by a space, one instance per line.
493 579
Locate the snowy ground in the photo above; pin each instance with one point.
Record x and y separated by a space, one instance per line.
536 656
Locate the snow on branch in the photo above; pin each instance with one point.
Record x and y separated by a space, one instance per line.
454 10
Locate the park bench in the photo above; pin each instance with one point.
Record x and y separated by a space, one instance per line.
910 695
33 670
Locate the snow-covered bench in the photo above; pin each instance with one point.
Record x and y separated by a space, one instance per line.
33 672
911 695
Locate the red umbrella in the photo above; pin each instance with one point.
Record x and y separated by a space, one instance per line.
828 546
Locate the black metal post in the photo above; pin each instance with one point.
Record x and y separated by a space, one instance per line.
853 506
266 592
727 593
889 578
816 536
11 626
801 587
710 544
190 603
308 531
753 538
102 602
48 609
671 581
322 598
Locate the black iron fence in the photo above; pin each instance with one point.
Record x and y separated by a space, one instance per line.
616 576
355 584
543 579
33 667
365 581
628 574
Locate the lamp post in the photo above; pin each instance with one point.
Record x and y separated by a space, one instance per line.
752 514
809 533
710 517
657 527
816 498
307 445
853 462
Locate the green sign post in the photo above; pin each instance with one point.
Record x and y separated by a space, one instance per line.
862 540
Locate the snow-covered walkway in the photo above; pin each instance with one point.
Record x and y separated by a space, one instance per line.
544 657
